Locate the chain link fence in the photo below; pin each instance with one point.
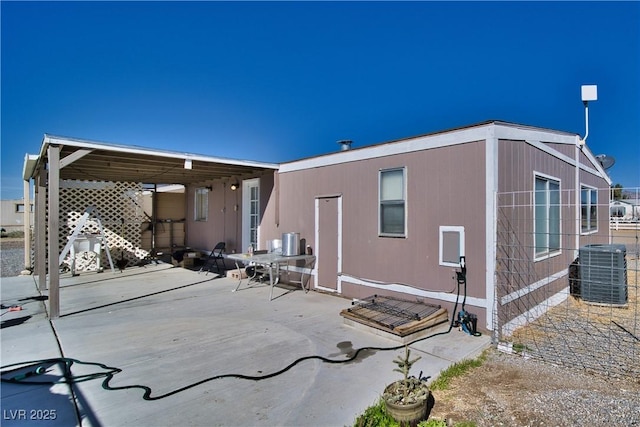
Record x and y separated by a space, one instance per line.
573 302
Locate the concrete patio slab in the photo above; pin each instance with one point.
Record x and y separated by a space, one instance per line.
180 342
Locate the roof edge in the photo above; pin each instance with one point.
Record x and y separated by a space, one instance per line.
133 149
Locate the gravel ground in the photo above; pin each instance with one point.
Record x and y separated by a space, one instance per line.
11 257
509 390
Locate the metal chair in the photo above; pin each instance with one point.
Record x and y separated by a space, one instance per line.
214 258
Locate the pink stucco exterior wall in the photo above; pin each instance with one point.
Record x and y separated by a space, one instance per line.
445 187
449 182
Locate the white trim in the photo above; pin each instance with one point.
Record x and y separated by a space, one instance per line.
576 196
404 200
390 148
548 254
534 136
532 287
29 166
461 239
317 240
74 142
598 171
543 147
406 289
77 155
537 311
493 130
590 188
491 223
519 132
329 196
545 176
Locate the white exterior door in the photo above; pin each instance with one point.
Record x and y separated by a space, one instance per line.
250 214
328 242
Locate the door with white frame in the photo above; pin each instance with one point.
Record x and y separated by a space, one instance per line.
328 224
250 214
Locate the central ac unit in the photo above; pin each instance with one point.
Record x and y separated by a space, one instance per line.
603 274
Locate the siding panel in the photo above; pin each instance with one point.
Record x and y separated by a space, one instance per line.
445 186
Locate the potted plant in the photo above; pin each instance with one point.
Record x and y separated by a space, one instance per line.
406 399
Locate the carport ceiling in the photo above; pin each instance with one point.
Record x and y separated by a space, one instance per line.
88 160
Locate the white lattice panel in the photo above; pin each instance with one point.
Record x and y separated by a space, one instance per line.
117 205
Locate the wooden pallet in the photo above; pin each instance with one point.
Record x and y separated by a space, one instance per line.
366 317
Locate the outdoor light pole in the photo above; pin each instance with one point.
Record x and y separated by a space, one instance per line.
589 93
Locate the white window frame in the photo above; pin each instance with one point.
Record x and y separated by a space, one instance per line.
548 206
590 191
201 204
402 201
450 229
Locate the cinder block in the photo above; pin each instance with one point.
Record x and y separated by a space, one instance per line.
233 274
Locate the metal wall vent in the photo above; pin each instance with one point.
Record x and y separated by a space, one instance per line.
603 274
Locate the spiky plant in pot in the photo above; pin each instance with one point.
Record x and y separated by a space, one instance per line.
406 399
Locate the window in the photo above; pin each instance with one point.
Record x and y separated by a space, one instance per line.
201 204
20 208
254 215
547 216
392 203
251 213
617 210
451 245
589 209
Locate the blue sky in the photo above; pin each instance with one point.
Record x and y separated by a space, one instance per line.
282 81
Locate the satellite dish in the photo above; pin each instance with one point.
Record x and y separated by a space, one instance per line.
605 161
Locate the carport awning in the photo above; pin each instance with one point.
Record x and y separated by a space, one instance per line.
98 161
62 158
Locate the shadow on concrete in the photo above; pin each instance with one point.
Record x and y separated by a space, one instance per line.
14 322
136 298
38 394
36 298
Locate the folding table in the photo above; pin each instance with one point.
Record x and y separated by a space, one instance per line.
272 262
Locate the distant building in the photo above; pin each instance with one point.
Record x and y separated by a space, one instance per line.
627 209
12 214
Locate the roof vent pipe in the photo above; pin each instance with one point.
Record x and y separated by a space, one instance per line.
345 144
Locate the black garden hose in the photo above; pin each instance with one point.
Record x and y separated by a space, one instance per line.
39 367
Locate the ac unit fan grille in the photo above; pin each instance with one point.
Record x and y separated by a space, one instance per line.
603 274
